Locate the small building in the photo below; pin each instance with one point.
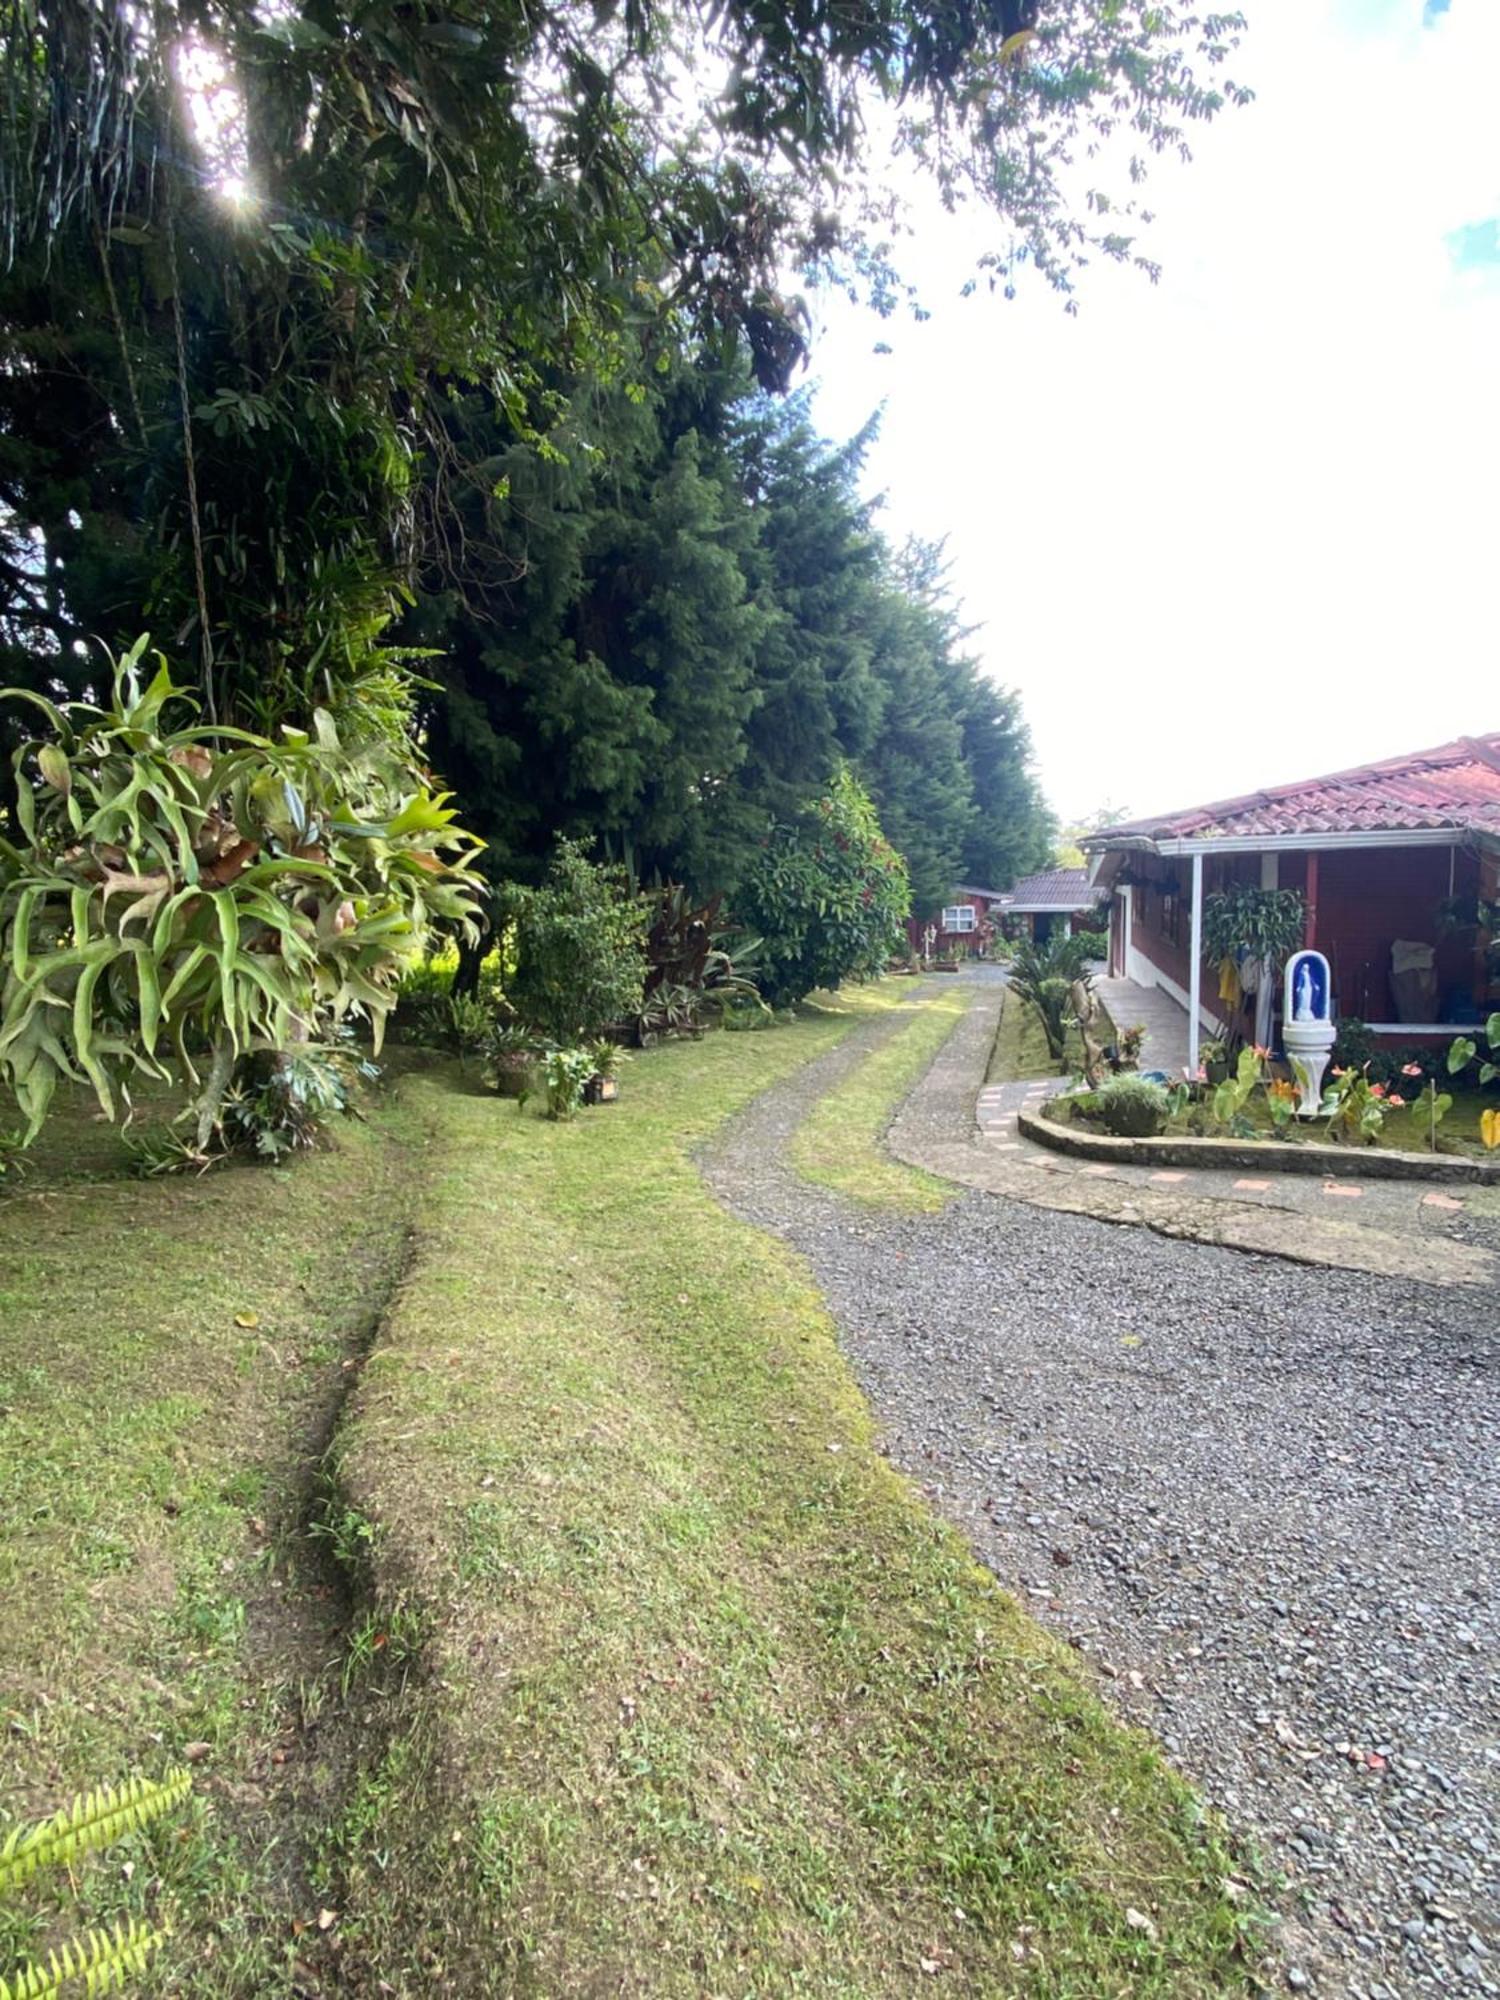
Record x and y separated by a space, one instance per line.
1398 864
1043 905
963 928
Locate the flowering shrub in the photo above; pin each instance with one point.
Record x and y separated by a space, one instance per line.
827 898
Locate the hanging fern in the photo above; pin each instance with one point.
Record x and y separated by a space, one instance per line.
93 1820
101 1961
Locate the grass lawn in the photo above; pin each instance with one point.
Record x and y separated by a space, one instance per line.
1020 1050
619 1660
838 1144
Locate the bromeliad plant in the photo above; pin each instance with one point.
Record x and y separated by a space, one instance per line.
206 891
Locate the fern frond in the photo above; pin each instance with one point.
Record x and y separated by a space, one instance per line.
102 1960
93 1820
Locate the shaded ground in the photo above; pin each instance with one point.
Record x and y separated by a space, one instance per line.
1261 1495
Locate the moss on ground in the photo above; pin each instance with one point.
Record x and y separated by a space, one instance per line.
838 1144
619 1660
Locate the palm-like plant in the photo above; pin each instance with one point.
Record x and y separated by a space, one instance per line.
1043 976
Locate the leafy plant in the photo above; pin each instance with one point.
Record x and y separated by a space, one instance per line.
827 897
1353 1045
1282 1099
206 888
101 1960
1042 976
565 1076
281 1099
1463 1049
1353 1107
580 948
467 1024
1246 922
1429 1108
1132 1108
513 1055
1234 1093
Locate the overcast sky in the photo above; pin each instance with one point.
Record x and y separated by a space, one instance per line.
1240 527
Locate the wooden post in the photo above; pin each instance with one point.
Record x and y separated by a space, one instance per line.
1310 928
1195 966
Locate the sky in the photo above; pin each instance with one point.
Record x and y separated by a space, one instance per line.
1242 526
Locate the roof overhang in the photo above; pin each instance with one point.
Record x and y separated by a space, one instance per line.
1293 843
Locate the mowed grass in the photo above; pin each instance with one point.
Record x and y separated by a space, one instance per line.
702 1697
1020 1050
170 1353
838 1144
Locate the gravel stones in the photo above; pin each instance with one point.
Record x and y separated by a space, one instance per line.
1262 1497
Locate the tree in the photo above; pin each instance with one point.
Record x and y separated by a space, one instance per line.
827 897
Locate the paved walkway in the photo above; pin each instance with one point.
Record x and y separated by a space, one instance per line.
1261 1496
1166 1024
1392 1227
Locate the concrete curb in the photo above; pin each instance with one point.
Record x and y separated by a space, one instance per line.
1331 1162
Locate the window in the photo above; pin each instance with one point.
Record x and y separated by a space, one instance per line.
959 917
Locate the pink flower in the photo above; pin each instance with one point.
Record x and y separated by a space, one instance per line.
1336 1071
1411 1069
1377 1090
1395 1098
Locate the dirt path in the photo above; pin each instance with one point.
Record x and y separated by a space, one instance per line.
1260 1494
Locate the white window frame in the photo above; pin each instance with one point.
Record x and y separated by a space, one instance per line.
960 918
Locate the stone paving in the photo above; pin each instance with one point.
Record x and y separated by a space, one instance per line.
1395 1228
1166 1024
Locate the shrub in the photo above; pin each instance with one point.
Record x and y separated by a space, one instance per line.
208 888
565 1076
1043 976
282 1098
1131 1108
827 898
1095 943
695 968
579 948
1353 1045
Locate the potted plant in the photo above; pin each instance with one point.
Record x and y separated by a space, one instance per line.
603 1086
513 1056
1214 1057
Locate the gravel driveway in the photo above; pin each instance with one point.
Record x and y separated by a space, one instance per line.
1263 1497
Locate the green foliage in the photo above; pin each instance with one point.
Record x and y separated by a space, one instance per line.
91 1821
281 1099
102 1960
1234 1093
827 898
1243 921
1353 1045
1094 944
1042 975
205 888
1130 1107
1353 1108
579 948
99 1962
565 1077
1463 1050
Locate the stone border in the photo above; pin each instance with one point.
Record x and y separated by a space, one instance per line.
1331 1162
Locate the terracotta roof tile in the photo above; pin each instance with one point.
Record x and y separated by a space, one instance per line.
1455 787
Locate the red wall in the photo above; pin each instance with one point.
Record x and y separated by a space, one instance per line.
1366 899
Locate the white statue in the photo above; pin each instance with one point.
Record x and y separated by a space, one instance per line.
1303 1011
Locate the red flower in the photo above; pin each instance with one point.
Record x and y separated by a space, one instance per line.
1377 1090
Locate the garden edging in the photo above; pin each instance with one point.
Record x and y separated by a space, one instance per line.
1372 1162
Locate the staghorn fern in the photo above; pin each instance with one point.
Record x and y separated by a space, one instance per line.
93 1820
101 1961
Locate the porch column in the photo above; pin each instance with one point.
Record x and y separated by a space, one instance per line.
1310 929
1195 965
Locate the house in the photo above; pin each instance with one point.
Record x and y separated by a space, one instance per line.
1398 864
963 927
1056 899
